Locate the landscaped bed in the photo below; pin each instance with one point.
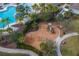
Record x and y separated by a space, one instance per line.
28 47
71 47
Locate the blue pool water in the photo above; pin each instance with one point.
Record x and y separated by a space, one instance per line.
8 13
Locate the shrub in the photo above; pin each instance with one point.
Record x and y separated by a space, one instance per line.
25 46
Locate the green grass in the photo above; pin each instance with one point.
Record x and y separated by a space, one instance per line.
75 25
71 26
71 48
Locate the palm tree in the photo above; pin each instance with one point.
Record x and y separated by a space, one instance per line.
6 22
3 21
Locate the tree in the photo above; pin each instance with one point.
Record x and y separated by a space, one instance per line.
48 11
27 9
42 6
20 8
22 11
33 16
4 21
43 15
52 8
48 48
68 14
19 37
19 17
36 7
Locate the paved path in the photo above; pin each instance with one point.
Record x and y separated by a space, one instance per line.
27 52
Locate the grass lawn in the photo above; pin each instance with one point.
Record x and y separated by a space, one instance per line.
71 26
75 25
71 47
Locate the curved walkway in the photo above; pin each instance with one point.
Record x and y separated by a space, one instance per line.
60 39
27 52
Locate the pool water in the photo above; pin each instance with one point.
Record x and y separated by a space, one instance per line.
8 13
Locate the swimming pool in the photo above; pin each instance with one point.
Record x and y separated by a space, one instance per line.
8 13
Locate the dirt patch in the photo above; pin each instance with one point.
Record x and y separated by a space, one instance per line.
36 37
